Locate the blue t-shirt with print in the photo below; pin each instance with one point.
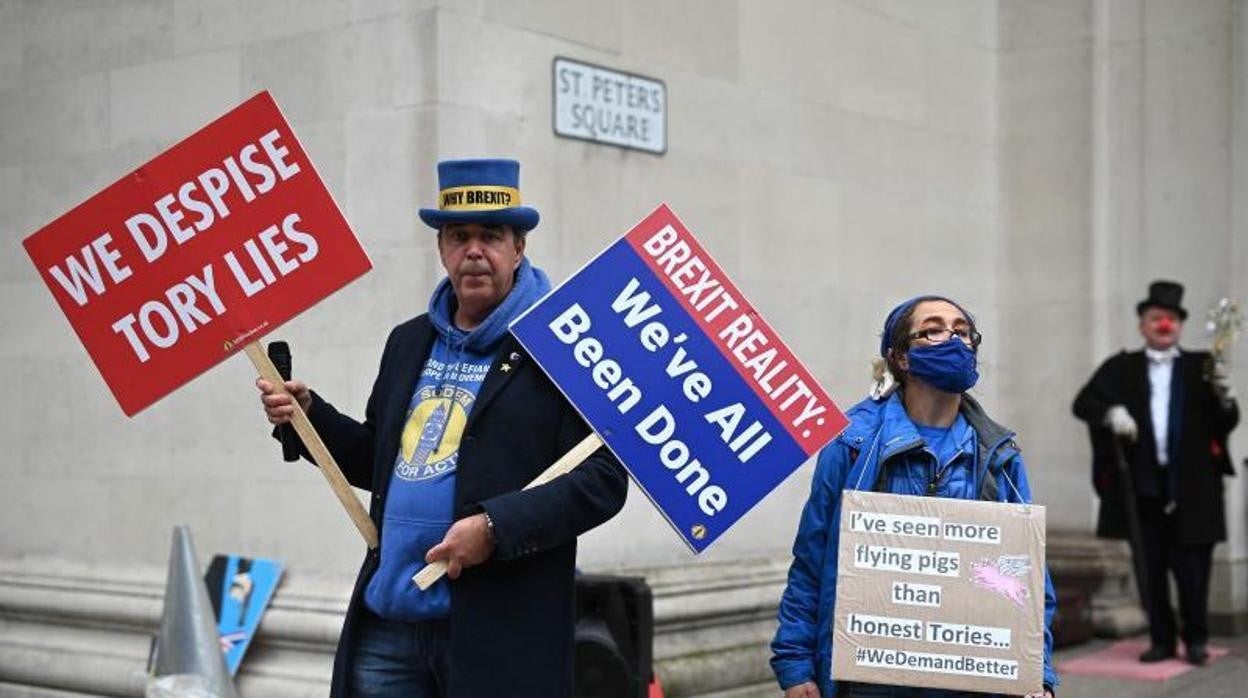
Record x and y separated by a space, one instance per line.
420 503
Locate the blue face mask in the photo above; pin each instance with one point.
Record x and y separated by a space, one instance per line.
948 366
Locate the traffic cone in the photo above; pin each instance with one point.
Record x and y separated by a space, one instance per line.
188 642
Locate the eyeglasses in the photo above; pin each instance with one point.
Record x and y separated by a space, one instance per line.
936 335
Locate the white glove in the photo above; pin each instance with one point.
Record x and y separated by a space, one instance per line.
1221 383
1120 422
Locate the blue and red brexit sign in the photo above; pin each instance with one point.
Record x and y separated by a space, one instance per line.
681 377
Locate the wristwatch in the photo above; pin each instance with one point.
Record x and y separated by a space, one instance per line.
489 527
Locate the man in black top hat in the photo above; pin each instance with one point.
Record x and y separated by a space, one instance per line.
459 421
1171 413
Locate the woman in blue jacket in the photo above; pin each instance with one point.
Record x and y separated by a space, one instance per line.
923 436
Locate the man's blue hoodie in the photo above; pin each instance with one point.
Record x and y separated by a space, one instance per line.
421 499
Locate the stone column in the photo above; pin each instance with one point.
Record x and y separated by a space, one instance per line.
1045 102
1229 600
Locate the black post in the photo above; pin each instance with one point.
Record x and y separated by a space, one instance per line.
614 655
279 354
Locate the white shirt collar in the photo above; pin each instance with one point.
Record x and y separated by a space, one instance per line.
1162 356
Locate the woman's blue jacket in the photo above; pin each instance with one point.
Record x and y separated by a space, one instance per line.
882 439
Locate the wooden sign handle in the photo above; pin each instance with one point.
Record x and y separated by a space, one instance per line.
574 457
328 466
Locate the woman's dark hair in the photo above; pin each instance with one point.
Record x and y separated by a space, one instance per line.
899 342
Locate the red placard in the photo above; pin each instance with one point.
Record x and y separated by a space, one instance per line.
209 246
746 340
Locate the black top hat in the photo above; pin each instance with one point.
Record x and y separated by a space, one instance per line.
1163 294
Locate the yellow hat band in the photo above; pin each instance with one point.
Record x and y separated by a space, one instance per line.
478 198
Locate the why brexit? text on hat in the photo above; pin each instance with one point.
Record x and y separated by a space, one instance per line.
485 191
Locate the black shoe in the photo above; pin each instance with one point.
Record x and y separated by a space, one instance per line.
1197 654
1157 654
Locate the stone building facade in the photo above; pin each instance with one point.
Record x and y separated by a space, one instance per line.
1039 161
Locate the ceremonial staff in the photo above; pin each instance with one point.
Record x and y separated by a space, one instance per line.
1224 323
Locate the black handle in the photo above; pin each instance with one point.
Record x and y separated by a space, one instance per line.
279 354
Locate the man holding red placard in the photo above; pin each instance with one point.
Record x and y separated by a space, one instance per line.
459 421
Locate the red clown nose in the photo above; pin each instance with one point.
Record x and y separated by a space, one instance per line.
1165 325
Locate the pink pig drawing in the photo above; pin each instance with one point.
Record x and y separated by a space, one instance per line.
1002 577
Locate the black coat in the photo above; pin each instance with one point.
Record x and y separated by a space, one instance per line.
512 617
1200 425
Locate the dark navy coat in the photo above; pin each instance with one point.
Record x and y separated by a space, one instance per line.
1198 430
512 617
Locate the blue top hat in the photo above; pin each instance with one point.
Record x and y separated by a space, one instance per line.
484 191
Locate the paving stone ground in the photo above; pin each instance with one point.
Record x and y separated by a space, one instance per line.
1224 678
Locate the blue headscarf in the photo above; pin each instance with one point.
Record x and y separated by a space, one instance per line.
890 323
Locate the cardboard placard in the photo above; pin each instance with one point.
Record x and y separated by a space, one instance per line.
940 593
